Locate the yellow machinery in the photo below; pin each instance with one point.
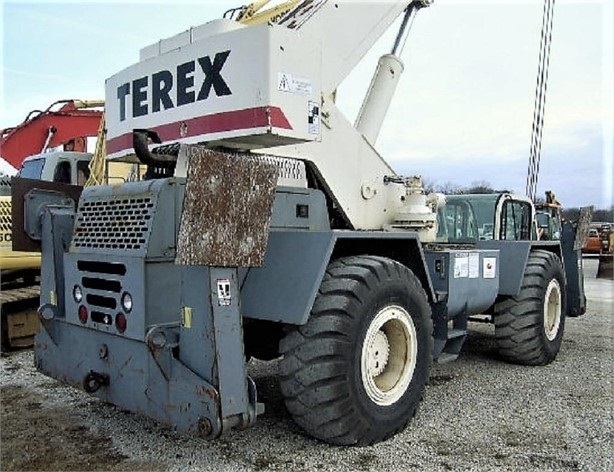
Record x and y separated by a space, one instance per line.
10 260
19 293
255 13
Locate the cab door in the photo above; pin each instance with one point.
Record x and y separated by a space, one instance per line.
515 219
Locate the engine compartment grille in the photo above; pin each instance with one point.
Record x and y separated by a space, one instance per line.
291 171
113 223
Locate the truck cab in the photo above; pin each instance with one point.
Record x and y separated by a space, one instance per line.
65 167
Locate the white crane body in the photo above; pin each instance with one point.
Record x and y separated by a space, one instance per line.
269 87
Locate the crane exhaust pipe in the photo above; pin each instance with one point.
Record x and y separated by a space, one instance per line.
385 79
140 143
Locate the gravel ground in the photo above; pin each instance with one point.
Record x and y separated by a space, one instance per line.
478 413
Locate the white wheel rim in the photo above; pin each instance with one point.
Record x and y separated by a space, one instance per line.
552 309
389 354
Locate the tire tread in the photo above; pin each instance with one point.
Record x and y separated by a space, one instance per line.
332 417
519 319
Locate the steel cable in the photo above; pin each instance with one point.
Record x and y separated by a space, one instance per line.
540 99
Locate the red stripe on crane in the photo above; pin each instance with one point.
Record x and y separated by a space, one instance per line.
215 123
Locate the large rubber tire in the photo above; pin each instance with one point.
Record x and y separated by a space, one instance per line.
529 327
356 372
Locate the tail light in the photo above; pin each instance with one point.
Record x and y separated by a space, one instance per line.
120 322
83 315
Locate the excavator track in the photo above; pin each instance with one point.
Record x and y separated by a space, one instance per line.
19 317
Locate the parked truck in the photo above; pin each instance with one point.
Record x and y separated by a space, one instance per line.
271 227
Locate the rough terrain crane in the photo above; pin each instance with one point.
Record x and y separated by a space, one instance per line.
275 229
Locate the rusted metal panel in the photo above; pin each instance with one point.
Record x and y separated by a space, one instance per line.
20 187
227 209
583 225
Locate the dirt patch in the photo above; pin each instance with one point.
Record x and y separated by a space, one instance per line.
34 437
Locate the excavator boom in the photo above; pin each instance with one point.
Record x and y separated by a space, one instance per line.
73 121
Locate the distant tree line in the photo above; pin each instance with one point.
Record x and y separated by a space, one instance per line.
450 188
599 214
481 186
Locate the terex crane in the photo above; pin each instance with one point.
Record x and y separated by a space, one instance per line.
276 229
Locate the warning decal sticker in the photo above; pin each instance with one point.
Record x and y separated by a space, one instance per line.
313 117
490 267
293 84
224 297
461 265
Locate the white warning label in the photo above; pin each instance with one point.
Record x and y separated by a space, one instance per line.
490 267
313 117
291 83
474 265
223 292
461 265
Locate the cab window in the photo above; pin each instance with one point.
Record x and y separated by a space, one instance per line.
516 221
456 223
62 173
32 169
83 172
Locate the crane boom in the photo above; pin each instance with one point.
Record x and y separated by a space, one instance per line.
344 43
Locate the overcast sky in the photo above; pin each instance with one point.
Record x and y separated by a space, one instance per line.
463 109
